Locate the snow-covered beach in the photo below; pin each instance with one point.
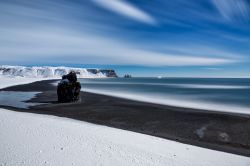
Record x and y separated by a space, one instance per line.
125 82
30 139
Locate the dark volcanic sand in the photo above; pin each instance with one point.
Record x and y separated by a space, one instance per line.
224 132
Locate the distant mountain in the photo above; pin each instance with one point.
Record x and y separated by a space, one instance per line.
53 72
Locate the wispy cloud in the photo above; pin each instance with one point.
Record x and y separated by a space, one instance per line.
63 33
126 9
231 9
51 43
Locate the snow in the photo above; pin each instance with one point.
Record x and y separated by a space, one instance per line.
31 139
60 141
12 81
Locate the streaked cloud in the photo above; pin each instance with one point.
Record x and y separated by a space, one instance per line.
80 32
232 9
126 9
50 44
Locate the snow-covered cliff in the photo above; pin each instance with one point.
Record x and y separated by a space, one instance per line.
49 72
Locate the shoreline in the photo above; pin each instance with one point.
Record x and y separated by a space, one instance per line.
190 126
177 107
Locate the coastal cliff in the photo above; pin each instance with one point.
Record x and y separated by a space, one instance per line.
54 72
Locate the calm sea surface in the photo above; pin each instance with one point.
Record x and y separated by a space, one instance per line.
220 94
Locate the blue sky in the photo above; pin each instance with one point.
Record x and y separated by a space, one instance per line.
194 38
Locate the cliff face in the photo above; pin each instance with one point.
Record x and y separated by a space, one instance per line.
109 73
53 72
106 72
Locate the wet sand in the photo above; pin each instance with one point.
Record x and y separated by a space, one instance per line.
219 131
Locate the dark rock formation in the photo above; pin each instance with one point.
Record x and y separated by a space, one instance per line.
127 76
68 89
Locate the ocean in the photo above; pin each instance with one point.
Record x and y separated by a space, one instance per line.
215 94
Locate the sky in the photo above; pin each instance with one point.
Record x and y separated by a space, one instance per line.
175 38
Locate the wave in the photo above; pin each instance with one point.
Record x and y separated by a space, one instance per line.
175 101
206 86
187 86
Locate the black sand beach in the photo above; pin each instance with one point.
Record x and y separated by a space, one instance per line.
219 131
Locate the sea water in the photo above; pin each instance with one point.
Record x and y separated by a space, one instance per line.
216 94
17 99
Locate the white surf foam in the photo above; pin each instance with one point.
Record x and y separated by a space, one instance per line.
207 86
174 101
187 86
